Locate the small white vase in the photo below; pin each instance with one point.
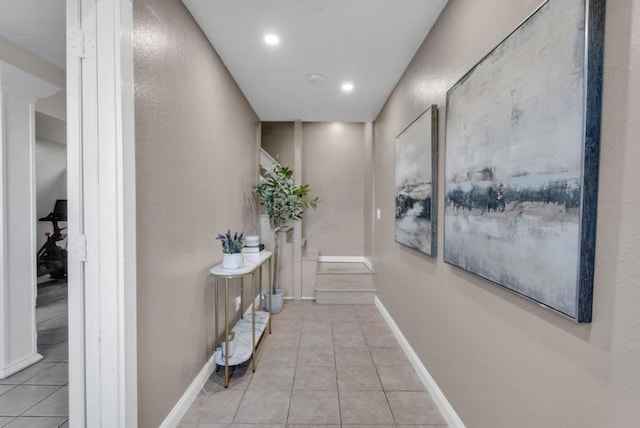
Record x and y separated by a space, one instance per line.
232 261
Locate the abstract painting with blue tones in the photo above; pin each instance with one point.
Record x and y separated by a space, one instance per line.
416 183
520 188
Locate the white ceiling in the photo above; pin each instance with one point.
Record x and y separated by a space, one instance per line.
367 42
36 25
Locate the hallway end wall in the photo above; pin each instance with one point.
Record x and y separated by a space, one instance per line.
334 167
503 361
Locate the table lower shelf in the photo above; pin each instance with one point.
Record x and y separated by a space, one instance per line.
242 344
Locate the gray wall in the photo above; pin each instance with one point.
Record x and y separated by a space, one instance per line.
336 164
500 360
196 164
54 105
333 167
278 141
51 182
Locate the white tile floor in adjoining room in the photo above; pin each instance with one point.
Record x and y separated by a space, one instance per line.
38 396
323 366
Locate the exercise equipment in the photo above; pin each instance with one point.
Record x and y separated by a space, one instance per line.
52 258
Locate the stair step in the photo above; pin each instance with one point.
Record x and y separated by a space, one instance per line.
356 274
345 287
334 268
345 296
344 283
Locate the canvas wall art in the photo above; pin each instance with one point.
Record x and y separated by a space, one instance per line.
416 183
521 159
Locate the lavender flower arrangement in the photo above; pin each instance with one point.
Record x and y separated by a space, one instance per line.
231 244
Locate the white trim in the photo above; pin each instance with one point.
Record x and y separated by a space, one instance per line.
23 84
367 262
308 298
129 305
19 91
101 182
184 403
434 390
341 259
75 271
19 365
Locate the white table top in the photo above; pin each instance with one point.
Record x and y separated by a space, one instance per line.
250 265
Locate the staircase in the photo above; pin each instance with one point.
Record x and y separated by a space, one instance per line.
267 162
344 283
348 283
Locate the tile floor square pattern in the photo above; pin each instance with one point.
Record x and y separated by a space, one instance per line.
38 396
323 366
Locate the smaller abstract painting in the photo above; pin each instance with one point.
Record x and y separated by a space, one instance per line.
416 183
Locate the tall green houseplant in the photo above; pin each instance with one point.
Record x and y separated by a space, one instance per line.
284 202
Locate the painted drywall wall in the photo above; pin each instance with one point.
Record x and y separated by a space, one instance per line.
278 141
196 165
500 360
368 190
54 105
51 182
50 128
333 167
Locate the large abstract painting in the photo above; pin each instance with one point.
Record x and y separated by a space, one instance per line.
416 183
521 160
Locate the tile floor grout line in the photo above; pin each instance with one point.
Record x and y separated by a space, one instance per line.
335 364
384 391
44 398
244 393
295 370
44 371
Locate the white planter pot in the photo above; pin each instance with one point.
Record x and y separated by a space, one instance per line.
232 261
277 300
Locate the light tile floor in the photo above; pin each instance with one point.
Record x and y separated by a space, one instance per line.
38 396
323 366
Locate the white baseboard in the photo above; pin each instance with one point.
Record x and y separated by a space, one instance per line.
367 262
308 298
182 406
21 364
341 259
434 390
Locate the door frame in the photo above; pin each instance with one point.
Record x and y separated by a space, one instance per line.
101 214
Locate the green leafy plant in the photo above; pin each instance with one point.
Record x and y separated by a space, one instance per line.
284 202
231 244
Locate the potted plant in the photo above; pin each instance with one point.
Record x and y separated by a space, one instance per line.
284 202
232 250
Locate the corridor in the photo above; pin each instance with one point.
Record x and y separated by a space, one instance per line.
323 366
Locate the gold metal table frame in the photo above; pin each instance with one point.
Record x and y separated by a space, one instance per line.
218 273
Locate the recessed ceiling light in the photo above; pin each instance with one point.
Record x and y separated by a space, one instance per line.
271 39
347 86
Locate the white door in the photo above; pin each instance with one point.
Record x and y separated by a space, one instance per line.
101 214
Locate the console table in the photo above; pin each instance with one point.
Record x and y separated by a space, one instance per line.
244 340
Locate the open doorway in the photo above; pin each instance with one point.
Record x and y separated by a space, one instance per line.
102 388
34 372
